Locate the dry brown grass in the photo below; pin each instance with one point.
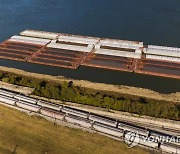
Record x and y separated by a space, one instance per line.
30 134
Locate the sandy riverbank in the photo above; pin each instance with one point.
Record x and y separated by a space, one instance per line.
174 97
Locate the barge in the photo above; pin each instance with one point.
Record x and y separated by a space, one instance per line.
72 51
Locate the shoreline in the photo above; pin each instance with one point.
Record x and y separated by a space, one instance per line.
134 91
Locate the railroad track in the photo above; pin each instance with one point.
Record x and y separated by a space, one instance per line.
105 125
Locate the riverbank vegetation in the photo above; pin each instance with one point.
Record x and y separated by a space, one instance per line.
66 91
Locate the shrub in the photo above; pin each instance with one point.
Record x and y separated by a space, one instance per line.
66 91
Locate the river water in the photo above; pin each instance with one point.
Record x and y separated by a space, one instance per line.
151 21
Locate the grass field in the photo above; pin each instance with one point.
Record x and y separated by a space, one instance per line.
34 135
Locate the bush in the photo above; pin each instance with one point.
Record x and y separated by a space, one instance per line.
5 79
66 91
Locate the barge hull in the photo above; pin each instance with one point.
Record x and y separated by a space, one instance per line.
71 51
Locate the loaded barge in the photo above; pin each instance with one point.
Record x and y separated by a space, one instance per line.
72 51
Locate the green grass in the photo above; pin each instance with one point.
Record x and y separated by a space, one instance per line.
35 135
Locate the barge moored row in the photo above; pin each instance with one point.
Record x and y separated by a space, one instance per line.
72 51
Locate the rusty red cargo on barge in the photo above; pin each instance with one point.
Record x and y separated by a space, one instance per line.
72 51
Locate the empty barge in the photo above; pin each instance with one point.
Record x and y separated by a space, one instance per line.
72 51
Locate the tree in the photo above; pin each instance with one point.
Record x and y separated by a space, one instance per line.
5 79
70 84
